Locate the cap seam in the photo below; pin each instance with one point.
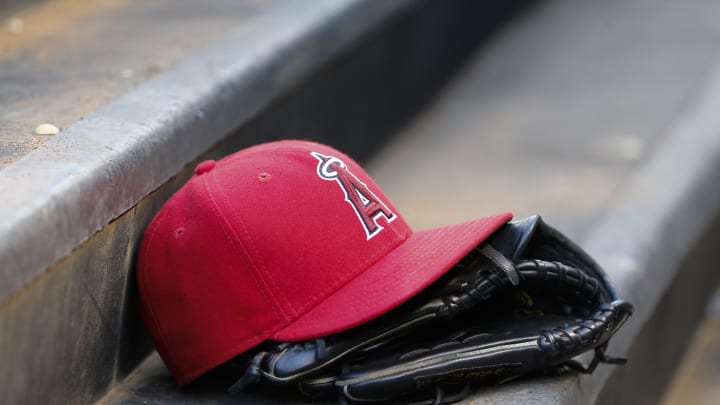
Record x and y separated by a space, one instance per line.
240 249
286 307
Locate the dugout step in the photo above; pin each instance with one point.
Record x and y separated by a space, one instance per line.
603 118
75 205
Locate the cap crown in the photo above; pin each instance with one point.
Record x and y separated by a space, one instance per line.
254 241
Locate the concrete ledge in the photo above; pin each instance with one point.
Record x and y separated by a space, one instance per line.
659 245
74 210
77 207
657 237
58 195
7 7
99 51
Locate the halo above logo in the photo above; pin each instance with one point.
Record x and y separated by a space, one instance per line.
367 206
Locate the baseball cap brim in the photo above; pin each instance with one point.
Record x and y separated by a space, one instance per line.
398 276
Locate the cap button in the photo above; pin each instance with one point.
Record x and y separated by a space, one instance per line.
205 167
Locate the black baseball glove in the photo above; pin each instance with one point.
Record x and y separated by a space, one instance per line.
528 300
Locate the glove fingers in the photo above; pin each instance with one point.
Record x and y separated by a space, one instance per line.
482 352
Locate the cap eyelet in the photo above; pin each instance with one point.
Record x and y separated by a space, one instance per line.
264 177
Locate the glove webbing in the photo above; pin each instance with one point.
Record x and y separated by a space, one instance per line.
566 339
489 281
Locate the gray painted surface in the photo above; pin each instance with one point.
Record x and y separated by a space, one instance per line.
75 330
602 116
62 60
8 8
80 317
78 320
659 245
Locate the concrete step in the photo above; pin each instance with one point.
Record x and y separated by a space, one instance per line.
345 72
600 117
62 60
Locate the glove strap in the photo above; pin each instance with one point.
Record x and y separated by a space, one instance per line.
252 374
502 262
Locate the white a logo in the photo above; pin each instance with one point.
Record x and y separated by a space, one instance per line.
365 203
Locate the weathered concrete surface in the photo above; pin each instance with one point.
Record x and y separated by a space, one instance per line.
75 183
80 318
78 322
575 112
696 379
10 8
66 58
663 339
555 113
597 116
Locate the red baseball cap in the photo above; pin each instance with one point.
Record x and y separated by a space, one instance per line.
283 241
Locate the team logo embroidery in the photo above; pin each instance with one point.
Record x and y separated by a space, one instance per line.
365 203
